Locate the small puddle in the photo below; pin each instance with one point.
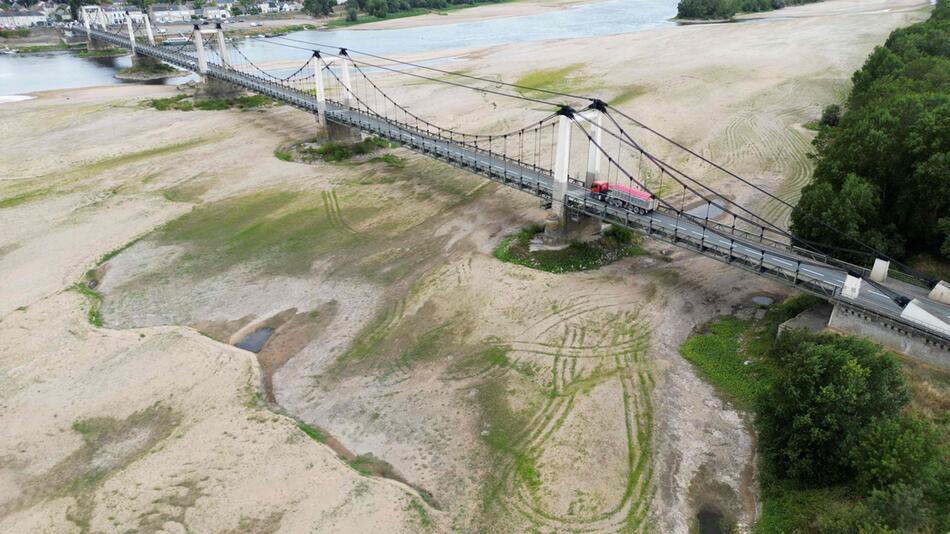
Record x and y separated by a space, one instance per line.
707 210
709 522
762 300
254 341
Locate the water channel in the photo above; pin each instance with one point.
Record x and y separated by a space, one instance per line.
24 73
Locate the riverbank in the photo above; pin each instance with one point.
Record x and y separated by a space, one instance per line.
461 13
519 399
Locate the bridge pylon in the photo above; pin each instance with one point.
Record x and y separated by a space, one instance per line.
338 133
212 87
93 16
563 226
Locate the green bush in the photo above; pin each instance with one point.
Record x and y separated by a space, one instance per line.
577 256
830 387
14 33
334 152
895 450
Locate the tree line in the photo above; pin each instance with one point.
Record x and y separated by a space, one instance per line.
382 8
883 165
724 9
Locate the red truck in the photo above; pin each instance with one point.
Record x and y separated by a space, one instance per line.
624 197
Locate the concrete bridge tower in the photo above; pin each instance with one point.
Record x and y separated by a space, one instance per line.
93 16
338 133
562 225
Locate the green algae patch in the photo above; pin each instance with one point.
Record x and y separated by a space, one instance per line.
564 80
109 445
282 231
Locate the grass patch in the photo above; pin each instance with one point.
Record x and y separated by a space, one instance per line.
616 243
627 95
283 155
720 352
95 300
13 33
33 49
390 160
421 514
336 152
426 347
187 103
115 252
931 266
502 432
814 126
561 79
786 508
147 69
281 232
719 356
314 433
105 52
369 465
284 30
27 196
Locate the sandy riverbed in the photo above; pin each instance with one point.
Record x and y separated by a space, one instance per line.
396 330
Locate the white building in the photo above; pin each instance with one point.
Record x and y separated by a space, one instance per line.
163 13
21 19
215 12
116 15
287 7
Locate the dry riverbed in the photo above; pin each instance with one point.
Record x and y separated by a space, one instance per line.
493 397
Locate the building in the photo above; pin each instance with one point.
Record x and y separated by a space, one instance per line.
165 13
268 7
287 7
21 18
215 12
116 15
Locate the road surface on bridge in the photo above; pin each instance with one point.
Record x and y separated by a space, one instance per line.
772 259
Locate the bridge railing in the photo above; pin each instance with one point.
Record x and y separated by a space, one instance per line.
514 173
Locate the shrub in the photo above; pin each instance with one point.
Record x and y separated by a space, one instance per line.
894 450
829 389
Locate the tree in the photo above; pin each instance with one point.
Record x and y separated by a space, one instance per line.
829 389
901 507
351 14
831 115
377 8
319 8
895 450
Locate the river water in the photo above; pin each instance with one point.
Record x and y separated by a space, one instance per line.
23 73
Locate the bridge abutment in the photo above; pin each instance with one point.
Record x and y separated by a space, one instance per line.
852 321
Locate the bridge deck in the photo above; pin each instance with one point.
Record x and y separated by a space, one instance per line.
778 261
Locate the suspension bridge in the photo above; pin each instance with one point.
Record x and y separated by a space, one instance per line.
557 156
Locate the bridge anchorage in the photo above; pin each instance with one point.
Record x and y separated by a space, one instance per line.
592 164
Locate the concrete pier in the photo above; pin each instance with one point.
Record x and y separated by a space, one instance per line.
346 135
